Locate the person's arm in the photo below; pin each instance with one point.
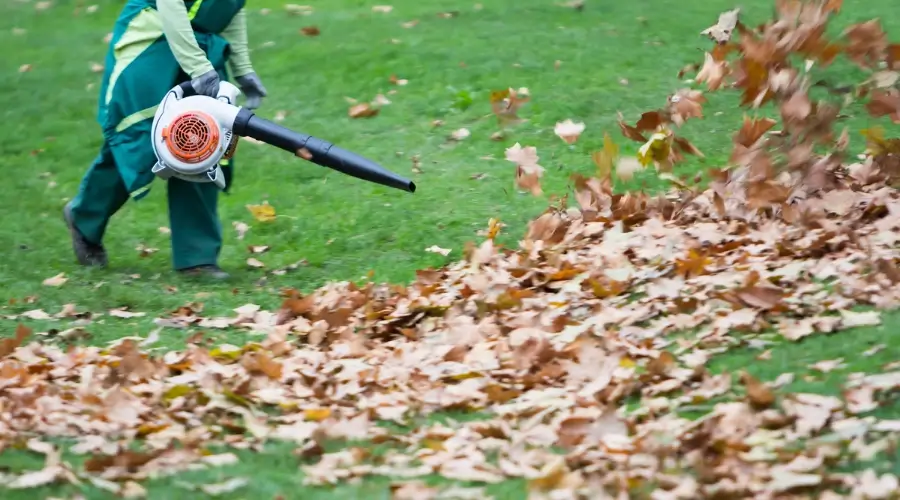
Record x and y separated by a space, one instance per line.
180 36
239 61
236 34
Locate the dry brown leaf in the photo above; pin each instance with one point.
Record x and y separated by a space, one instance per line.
712 72
758 394
724 27
528 171
295 9
58 280
568 130
362 110
225 487
460 134
439 250
885 103
241 228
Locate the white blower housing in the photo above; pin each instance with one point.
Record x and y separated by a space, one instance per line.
193 134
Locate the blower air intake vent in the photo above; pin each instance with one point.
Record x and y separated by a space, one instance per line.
192 136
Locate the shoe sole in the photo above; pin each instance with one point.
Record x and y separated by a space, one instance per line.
203 273
205 276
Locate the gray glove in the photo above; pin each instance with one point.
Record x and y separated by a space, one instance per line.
207 83
253 88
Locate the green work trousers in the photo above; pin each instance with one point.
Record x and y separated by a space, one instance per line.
193 211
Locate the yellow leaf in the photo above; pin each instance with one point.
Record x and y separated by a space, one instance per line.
627 363
288 405
493 228
146 429
433 444
230 354
236 398
316 414
262 213
177 391
656 149
604 159
499 95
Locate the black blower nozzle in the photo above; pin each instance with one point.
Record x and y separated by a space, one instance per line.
319 151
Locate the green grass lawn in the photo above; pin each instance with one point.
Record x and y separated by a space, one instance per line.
582 65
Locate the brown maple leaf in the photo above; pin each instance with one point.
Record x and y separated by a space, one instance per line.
685 104
724 27
867 43
885 103
713 72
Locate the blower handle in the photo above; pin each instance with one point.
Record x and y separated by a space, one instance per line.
187 90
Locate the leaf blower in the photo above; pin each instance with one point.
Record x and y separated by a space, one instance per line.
193 133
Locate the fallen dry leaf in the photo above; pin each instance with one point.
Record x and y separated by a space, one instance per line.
436 249
460 134
568 131
227 486
240 228
528 172
295 9
398 81
123 313
362 110
58 280
263 212
724 27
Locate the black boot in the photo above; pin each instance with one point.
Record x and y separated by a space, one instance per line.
87 253
207 270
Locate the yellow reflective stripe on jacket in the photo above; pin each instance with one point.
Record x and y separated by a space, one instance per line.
135 118
139 191
194 9
140 34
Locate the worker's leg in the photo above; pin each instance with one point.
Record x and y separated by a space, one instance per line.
194 219
193 210
100 195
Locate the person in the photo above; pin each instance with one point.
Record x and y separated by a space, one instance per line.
155 45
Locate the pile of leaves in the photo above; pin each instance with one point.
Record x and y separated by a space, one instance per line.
621 297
